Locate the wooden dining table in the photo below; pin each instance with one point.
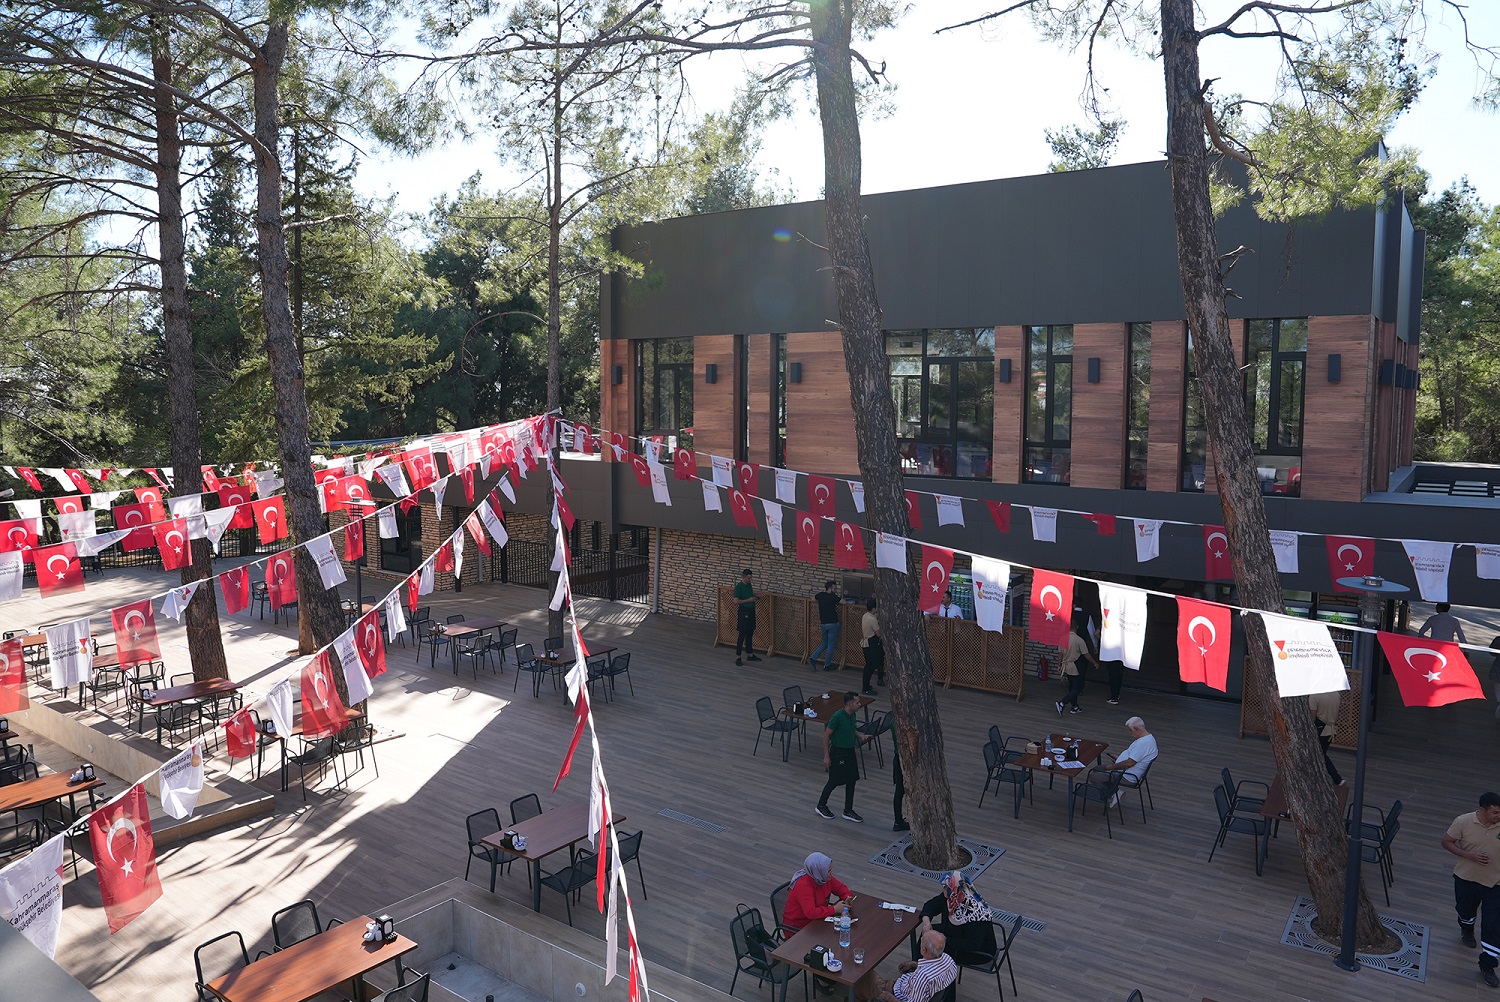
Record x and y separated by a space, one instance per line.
297 732
1275 803
877 931
319 963
1088 754
202 689
469 627
559 662
44 790
823 705
548 832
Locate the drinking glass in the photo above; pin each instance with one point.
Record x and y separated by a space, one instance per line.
859 955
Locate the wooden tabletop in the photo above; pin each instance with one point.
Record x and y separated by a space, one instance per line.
877 932
473 624
44 790
309 968
826 707
33 640
193 690
549 831
567 657
297 726
1275 804
1088 753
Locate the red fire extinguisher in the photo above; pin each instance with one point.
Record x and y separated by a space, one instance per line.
1041 668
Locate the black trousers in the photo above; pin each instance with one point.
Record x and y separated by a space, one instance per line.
898 800
874 661
1333 772
843 770
1471 899
1075 688
1116 671
746 640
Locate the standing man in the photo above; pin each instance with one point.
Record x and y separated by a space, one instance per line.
874 647
828 619
1443 625
744 596
950 609
1475 839
1325 711
1077 648
840 738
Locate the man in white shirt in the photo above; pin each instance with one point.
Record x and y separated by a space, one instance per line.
923 980
949 609
1136 758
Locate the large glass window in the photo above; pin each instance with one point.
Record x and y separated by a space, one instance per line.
664 373
1137 405
1194 428
1275 371
1049 404
943 385
778 399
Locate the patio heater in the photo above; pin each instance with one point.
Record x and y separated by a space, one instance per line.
1374 592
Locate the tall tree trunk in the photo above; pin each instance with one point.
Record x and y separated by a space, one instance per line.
554 291
205 645
919 732
319 617
1299 759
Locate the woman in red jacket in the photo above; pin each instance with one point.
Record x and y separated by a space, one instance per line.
815 893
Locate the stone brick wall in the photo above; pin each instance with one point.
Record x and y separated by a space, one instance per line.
695 564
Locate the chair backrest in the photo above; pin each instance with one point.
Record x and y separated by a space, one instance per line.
630 846
1135 996
1221 801
508 637
413 991
482 823
552 644
598 666
17 772
765 709
619 663
294 923
1392 814
995 737
991 756
219 956
184 678
791 694
525 654
778 900
1229 787
457 617
525 807
423 614
745 924
1010 937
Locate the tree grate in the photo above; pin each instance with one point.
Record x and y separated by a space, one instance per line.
1409 961
688 819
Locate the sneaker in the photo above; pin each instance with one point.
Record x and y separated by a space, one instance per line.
1059 707
829 667
901 826
1114 800
851 816
1076 709
871 692
738 661
1113 702
752 658
1468 935
1490 978
824 812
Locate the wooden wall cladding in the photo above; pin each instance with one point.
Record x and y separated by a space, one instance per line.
1164 433
1010 428
758 387
714 412
1099 408
819 415
1336 455
617 403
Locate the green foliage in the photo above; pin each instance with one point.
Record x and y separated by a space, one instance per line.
1077 148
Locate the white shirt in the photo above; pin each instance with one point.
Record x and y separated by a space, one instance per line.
1142 751
954 611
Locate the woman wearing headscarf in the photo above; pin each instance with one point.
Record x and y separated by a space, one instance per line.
815 893
960 914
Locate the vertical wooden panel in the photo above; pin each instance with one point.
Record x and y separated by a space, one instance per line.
1384 440
617 403
1164 431
1099 408
758 388
819 415
1335 452
714 416
1010 414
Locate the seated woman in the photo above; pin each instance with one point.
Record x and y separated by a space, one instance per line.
960 914
815 893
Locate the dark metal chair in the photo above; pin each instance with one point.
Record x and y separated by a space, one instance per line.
420 625
630 849
415 990
778 908
572 879
1100 786
18 772
1231 820
998 770
1239 799
598 671
355 738
21 835
995 738
506 642
751 952
218 957
437 640
617 666
770 721
475 649
523 808
1141 786
1135 996
296 922
526 662
552 645
1001 958
319 754
480 824
874 726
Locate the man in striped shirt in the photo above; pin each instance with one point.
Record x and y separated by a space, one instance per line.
922 981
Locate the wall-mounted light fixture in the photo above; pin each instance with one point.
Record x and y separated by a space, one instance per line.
794 372
710 373
1093 370
1335 368
1387 371
617 375
1005 370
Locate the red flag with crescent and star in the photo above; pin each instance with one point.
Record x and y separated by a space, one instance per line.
913 510
466 477
413 590
235 584
323 712
19 534
125 857
135 633
739 507
369 641
353 490
937 564
13 676
239 734
443 562
1349 557
640 469
58 570
172 543
79 481
849 547
1203 642
748 476
354 539
820 495
137 518
808 537
420 468
236 496
151 498
683 466
328 488
281 579
29 475
1051 608
69 504
211 481
1430 672
270 519
1216 563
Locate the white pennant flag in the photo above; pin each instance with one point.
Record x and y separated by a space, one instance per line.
425 577
458 554
267 483
659 492
91 546
181 781
1430 562
186 506
215 524
773 525
950 510
1123 636
890 552
485 461
31 894
596 799
786 486
70 652
395 616
176 602
611 922
439 488
1147 539
394 479
507 488
494 525
61 478
991 582
388 528
30 509
1487 561
368 465
11 569
651 449
329 568
354 669
458 456
76 525
1044 524
103 500
1305 657
723 468
711 499
1284 545
857 491
279 706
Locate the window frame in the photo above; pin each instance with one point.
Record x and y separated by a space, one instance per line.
925 360
1137 333
1049 442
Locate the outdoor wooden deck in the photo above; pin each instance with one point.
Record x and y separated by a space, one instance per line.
1144 910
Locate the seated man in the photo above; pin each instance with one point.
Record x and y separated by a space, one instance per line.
922 980
1136 758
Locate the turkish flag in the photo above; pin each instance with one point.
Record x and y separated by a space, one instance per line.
683 465
135 633
1429 672
583 439
323 712
421 470
13 676
233 495
913 511
125 857
235 585
79 481
1051 608
136 518
370 643
748 475
1349 557
475 524
642 471
69 504
466 477
1105 524
809 531
211 481
281 579
172 541
1000 512
1216 563
155 474
443 561
239 734
820 495
151 498
849 547
58 570
489 444
19 534
1203 642
270 519
29 475
937 564
328 486
354 539
739 507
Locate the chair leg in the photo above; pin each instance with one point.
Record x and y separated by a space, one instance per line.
640 873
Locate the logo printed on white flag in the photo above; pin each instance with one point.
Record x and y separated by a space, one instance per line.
711 499
395 616
773 525
1123 635
76 525
1487 561
991 582
90 546
354 669
786 486
950 510
1284 545
1044 524
394 479
1430 562
11 569
723 468
857 491
659 492
439 488
31 894
1305 657
388 529
495 526
70 652
186 506
266 483
890 552
176 602
181 780
215 523
1147 539
329 568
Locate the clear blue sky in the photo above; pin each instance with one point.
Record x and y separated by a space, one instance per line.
972 105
